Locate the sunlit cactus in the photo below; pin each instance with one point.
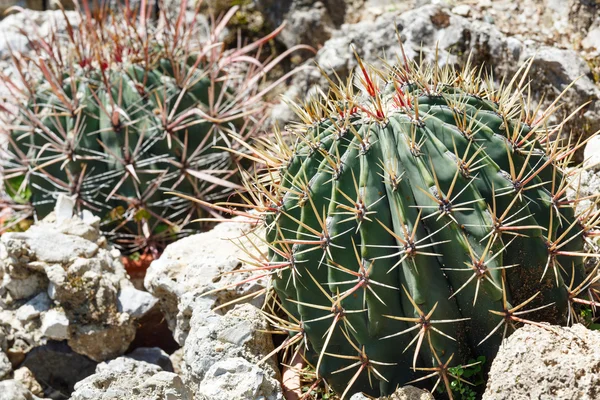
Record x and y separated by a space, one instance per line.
123 108
414 218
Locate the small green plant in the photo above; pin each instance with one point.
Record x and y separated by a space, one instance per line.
589 317
465 379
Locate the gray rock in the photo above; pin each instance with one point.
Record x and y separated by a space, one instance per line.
58 368
34 307
100 341
135 302
314 21
236 378
236 335
402 393
43 244
424 28
554 363
55 325
126 378
27 379
5 365
15 390
152 355
33 22
194 265
591 154
67 263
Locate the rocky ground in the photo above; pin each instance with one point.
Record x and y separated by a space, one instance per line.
73 325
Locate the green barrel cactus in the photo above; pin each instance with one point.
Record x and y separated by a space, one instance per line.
124 109
415 217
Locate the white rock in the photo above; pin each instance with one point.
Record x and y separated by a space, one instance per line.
592 40
34 307
236 378
194 265
135 302
463 10
5 365
65 263
14 390
402 393
168 384
126 378
26 377
152 355
237 334
64 207
591 154
553 363
55 325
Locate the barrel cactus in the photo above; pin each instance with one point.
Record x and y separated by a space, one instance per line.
121 109
413 220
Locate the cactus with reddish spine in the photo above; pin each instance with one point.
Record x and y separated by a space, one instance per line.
124 109
412 222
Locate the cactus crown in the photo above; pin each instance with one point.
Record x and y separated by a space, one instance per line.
412 218
125 108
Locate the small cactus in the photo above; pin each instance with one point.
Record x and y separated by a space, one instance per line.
415 217
124 109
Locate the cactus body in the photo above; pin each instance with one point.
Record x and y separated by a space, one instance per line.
413 224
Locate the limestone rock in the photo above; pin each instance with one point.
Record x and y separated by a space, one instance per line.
135 302
152 355
5 365
236 378
554 363
237 334
34 307
57 367
193 266
430 26
14 390
55 325
126 378
402 393
61 280
26 377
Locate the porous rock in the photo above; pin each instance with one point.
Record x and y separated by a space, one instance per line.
152 355
237 378
402 393
58 368
547 363
238 335
61 280
126 378
26 377
5 365
12 389
434 29
198 264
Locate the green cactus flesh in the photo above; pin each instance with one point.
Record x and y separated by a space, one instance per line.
411 225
